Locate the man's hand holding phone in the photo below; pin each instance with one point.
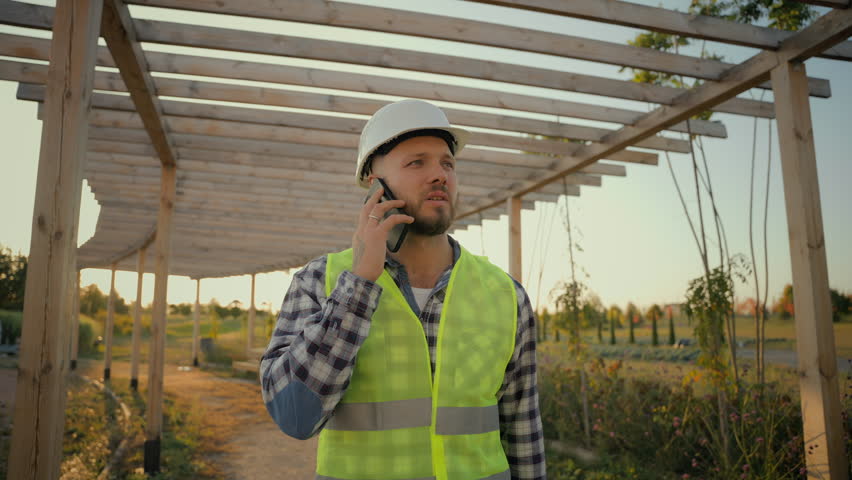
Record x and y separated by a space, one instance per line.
369 243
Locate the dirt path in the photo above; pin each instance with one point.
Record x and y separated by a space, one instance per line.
252 447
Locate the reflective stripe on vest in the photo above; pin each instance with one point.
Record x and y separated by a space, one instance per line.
507 475
414 413
382 415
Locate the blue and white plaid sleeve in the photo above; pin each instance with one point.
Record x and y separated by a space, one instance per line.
520 417
308 363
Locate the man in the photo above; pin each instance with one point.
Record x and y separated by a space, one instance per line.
418 364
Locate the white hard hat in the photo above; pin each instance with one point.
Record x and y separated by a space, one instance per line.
398 118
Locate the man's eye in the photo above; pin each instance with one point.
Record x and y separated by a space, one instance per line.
450 165
413 162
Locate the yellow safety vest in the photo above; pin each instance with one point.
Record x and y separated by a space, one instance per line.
394 422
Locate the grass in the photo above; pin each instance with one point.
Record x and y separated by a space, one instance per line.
229 344
184 444
93 430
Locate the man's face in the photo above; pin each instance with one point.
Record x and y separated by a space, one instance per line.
421 171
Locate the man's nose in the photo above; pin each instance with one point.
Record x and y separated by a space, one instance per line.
438 174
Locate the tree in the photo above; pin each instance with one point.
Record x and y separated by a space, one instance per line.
670 314
544 319
841 304
630 315
13 279
784 305
654 313
181 309
92 300
614 315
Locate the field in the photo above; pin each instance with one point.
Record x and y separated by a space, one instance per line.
780 334
228 338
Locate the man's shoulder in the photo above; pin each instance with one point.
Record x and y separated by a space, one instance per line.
314 269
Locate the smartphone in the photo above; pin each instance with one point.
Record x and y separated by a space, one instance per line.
397 234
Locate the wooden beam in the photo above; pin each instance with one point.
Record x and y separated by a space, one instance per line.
197 90
249 123
195 322
38 49
470 173
109 326
456 29
136 338
664 20
513 210
39 414
826 31
34 16
75 321
818 374
119 32
250 323
154 412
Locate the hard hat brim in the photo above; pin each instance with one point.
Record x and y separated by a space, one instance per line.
460 136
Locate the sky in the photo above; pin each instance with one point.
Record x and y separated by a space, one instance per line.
634 237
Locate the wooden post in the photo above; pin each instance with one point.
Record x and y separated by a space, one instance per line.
109 326
39 416
818 383
137 320
251 314
75 321
195 325
513 205
154 417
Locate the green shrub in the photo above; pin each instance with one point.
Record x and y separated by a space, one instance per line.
10 322
86 339
648 427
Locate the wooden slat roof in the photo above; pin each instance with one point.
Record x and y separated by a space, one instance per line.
264 170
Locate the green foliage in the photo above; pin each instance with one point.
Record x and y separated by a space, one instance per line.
654 314
92 300
671 327
545 319
782 14
631 316
708 300
85 340
93 429
648 428
10 323
13 279
841 304
181 309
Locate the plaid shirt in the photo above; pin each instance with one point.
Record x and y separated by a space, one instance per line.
308 363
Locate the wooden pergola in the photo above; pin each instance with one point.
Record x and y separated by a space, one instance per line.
197 176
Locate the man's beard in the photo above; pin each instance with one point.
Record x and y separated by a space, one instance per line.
429 227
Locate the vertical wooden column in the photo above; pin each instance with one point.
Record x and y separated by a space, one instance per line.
75 321
109 326
513 206
818 383
195 322
251 314
39 416
137 320
154 413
